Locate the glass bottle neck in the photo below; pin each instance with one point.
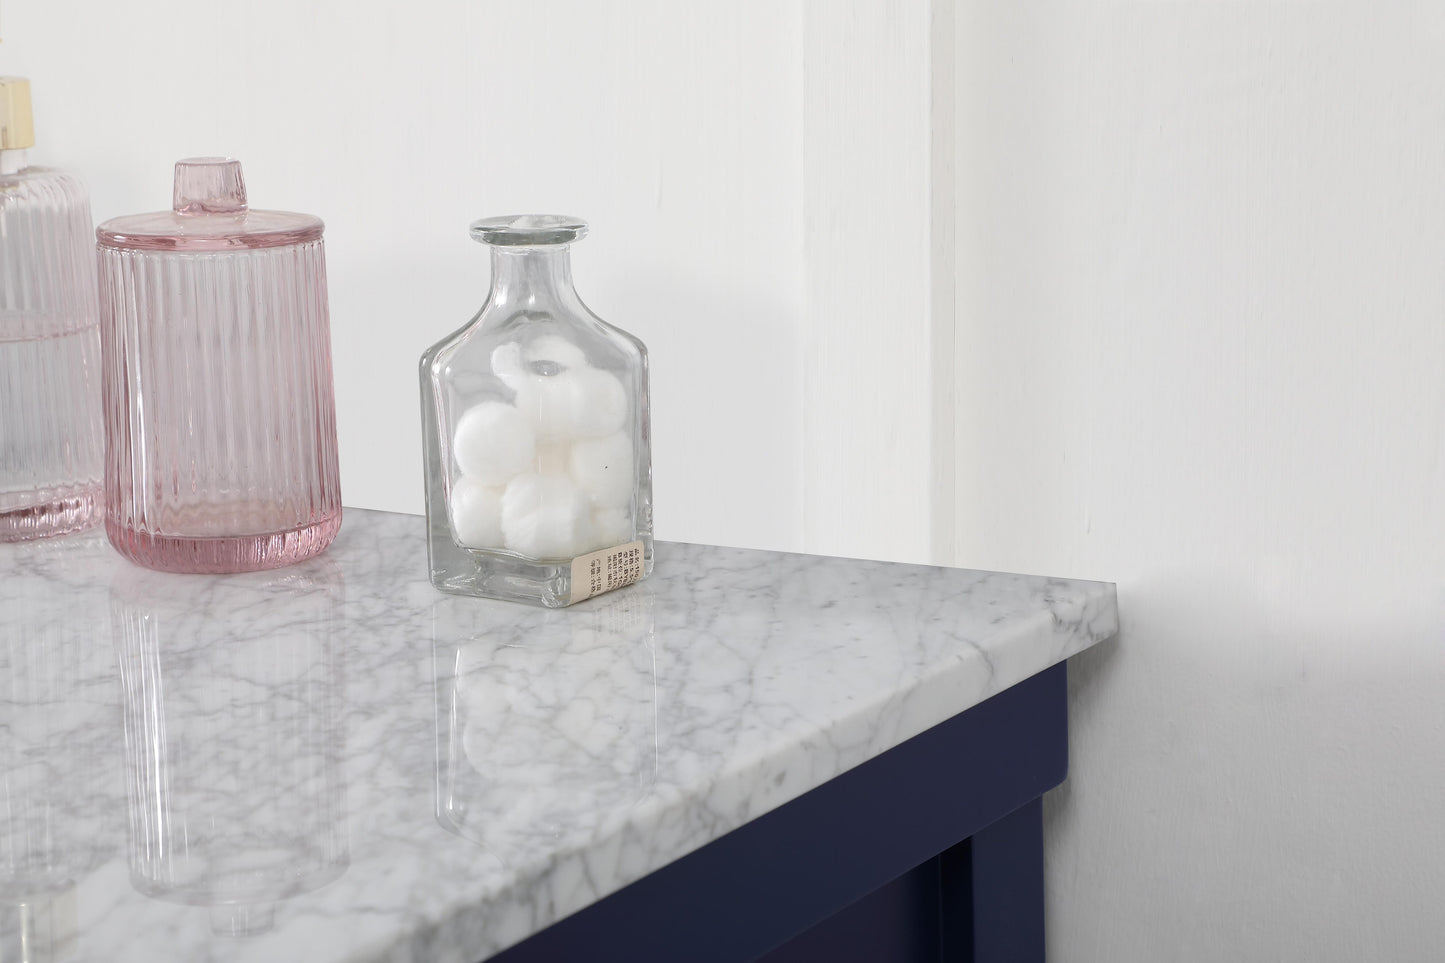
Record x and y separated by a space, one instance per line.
13 161
533 278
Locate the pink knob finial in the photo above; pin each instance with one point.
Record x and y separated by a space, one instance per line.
209 185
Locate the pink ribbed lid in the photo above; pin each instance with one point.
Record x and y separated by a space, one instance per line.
209 214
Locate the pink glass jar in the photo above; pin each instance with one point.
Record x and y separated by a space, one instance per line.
220 417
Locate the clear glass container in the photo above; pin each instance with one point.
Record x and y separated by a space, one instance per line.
51 439
220 412
537 437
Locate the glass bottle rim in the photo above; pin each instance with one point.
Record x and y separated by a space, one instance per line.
528 230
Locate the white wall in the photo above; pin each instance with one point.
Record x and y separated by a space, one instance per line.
727 155
1201 352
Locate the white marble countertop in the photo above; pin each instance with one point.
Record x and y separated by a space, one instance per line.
334 762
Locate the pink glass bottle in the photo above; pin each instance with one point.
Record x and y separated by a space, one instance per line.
220 417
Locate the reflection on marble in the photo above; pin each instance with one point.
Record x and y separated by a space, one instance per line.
503 766
232 747
59 747
522 749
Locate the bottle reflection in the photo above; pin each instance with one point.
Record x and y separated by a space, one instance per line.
542 715
232 692
59 742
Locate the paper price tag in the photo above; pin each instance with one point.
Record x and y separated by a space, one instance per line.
605 570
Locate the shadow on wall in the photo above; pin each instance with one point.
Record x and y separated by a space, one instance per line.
1092 675
1267 781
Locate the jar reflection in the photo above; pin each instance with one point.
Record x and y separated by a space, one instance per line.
59 755
542 716
233 700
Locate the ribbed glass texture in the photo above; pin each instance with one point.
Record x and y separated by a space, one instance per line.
219 407
50 416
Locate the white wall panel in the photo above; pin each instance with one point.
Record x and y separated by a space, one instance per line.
1201 353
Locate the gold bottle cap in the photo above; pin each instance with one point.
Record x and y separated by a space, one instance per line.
17 127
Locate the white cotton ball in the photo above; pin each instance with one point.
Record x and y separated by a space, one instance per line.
553 458
549 404
603 469
599 405
493 442
611 526
476 512
551 347
507 364
545 516
559 393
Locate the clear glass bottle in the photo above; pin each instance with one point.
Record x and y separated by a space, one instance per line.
51 438
537 436
220 412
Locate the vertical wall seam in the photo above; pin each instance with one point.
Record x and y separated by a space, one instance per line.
942 171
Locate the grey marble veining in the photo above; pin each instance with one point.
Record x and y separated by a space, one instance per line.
334 762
